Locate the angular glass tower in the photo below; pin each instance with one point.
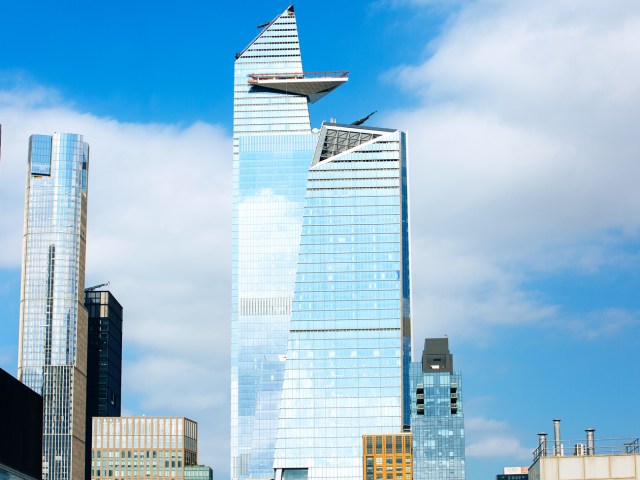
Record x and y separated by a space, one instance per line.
52 354
437 419
320 348
348 356
273 146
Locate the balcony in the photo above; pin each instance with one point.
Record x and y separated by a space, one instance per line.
313 85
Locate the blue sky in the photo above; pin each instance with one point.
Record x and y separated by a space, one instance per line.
525 211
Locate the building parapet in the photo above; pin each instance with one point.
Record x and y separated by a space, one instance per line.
256 77
581 447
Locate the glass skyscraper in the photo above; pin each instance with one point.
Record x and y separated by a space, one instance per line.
437 418
104 354
52 353
320 293
273 146
348 353
104 360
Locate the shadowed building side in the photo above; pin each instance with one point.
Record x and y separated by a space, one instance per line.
21 439
104 360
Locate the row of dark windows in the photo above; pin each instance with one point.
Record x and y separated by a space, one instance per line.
402 444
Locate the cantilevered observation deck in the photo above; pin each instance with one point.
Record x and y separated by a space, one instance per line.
313 85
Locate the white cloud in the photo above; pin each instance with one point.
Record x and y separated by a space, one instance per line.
445 5
461 293
523 151
489 438
601 324
188 386
159 229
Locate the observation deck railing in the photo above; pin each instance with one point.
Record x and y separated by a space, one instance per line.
255 77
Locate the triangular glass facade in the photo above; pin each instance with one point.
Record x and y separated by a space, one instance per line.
347 368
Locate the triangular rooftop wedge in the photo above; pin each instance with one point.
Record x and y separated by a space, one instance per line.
313 85
336 139
287 13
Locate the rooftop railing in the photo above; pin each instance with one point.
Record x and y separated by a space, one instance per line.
296 75
603 446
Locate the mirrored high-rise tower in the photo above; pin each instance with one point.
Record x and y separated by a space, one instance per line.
349 350
273 146
52 354
320 303
437 417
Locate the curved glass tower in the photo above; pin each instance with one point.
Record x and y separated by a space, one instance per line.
52 354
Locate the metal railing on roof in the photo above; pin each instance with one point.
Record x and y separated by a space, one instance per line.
603 446
254 77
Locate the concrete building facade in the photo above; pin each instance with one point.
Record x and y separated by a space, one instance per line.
588 458
150 448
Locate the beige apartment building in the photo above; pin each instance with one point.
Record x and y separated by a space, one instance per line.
149 448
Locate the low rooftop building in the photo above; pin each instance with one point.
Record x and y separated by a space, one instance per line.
148 448
585 459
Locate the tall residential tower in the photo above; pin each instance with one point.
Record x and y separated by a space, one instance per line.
52 353
437 418
320 304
